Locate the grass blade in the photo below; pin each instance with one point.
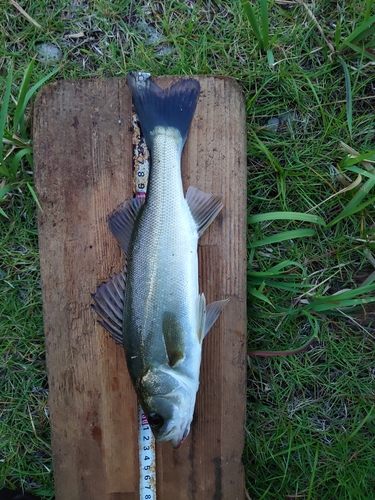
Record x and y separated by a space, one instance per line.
354 205
271 158
290 352
315 219
313 472
361 51
332 305
368 9
4 114
315 328
6 189
265 23
358 31
270 57
277 270
348 298
366 33
313 90
28 96
25 14
17 160
365 173
33 194
349 97
337 35
249 11
286 235
293 287
22 95
259 295
367 418
349 160
3 213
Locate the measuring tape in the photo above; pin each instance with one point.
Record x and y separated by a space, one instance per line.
141 158
147 459
146 440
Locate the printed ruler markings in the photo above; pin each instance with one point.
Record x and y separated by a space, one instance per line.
147 459
141 160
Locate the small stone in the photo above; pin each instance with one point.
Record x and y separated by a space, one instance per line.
272 124
48 52
286 118
154 37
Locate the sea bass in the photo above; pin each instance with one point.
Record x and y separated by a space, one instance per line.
153 307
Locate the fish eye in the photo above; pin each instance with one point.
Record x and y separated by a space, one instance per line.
155 420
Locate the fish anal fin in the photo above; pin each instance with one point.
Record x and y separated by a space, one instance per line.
173 337
109 304
121 221
204 207
201 316
213 311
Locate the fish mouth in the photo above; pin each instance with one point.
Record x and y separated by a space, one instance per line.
173 435
179 443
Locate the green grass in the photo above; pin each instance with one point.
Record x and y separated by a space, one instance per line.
308 81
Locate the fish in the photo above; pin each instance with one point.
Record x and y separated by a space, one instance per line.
153 306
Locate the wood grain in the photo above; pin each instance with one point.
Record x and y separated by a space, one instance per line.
83 158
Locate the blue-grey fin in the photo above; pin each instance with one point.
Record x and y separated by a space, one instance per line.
213 311
173 107
204 207
173 337
109 304
121 221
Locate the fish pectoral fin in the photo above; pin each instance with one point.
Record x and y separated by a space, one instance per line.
109 304
121 221
213 311
173 337
203 207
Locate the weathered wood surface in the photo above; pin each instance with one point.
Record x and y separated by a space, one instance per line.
83 158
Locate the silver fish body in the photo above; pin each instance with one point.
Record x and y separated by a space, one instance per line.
164 318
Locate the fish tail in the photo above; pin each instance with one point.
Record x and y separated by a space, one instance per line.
156 107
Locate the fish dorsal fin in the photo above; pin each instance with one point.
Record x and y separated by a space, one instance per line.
109 304
213 311
121 221
204 207
173 337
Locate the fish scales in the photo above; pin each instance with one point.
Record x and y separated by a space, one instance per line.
163 262
154 307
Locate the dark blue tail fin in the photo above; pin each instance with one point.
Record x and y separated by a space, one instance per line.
173 107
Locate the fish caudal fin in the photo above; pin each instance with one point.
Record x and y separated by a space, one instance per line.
109 304
203 207
156 107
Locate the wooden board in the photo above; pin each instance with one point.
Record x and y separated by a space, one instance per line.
83 170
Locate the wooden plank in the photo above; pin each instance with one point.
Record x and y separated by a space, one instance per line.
83 157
